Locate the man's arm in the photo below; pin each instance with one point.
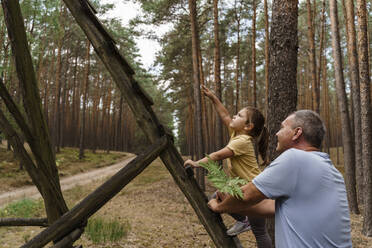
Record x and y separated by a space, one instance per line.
254 203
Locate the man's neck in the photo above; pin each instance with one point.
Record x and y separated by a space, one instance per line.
305 147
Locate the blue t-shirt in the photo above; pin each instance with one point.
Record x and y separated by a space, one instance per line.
311 208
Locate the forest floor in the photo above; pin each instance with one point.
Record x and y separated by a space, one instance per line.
156 214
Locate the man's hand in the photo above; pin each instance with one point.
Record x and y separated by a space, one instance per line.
213 205
220 196
191 163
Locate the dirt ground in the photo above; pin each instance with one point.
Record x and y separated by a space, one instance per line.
158 214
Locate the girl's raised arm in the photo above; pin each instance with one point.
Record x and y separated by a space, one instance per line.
221 110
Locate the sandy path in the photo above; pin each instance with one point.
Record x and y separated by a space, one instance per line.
66 183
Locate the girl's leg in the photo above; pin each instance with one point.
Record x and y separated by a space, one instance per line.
240 218
240 226
260 232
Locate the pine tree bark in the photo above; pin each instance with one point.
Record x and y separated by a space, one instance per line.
197 93
254 75
366 114
267 61
237 72
57 96
85 96
75 105
96 100
217 74
312 60
354 77
349 154
282 70
321 44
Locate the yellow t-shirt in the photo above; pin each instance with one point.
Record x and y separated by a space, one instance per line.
244 163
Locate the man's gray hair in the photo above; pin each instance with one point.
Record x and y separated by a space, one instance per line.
312 126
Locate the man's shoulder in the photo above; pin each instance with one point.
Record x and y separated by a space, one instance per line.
295 153
290 157
290 153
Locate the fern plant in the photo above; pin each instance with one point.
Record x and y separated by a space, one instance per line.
221 181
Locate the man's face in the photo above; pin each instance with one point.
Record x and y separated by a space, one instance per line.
285 134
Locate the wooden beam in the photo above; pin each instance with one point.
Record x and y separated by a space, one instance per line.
69 239
24 222
77 216
139 103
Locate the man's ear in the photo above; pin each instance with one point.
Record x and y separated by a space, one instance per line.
297 134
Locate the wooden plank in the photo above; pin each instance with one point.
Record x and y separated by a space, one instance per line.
77 216
147 120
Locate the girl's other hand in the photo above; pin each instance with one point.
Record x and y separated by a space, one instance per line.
191 163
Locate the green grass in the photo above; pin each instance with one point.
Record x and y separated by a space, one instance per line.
101 231
25 208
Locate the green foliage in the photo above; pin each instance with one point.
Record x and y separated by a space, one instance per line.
25 208
102 231
223 182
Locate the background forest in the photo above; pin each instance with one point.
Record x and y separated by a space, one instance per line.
84 108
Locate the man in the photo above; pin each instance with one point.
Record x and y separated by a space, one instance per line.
302 188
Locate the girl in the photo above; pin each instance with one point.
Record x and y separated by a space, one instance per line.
245 129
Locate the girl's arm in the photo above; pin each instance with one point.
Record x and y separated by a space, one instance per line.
215 156
221 110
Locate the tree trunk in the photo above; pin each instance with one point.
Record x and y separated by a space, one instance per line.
312 60
118 146
321 45
237 72
282 70
267 61
57 96
349 155
202 101
217 74
354 77
96 100
254 76
86 89
197 93
366 114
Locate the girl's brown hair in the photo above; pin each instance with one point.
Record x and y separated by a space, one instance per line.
259 131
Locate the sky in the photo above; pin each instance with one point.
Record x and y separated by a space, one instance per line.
125 12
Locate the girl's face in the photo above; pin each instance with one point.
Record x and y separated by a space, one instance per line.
239 121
